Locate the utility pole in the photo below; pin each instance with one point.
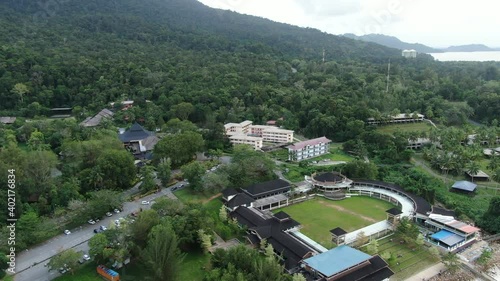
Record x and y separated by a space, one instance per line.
323 55
388 71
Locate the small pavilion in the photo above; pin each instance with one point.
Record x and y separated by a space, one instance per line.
338 236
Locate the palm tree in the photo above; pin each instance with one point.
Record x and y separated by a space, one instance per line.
452 262
473 168
494 163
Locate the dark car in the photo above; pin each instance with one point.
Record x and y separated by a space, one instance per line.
97 230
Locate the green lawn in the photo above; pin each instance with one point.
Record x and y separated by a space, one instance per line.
318 216
409 262
336 154
186 196
280 154
408 127
193 268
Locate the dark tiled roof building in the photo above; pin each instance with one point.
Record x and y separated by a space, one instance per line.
275 230
240 199
268 188
139 140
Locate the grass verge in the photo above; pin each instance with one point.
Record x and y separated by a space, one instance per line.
195 266
408 127
408 262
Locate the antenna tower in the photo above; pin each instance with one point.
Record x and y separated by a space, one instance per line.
388 71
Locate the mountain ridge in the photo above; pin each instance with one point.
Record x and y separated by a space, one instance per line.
394 42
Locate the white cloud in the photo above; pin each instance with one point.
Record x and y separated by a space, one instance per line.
435 23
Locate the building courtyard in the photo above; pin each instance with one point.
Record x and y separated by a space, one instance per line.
319 215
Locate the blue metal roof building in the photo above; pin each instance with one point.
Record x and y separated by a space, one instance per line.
447 237
336 260
464 186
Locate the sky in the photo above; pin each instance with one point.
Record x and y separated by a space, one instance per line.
439 23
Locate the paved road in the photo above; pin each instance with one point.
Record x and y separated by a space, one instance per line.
428 273
30 264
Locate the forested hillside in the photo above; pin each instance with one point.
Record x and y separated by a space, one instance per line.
189 69
393 42
228 66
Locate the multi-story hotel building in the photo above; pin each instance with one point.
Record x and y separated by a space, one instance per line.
400 118
238 128
256 142
308 149
247 133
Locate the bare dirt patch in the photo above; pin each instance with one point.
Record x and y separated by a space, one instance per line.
342 209
211 198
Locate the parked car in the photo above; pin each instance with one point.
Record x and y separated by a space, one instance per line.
91 221
103 228
67 232
97 230
174 188
116 211
86 257
145 202
109 214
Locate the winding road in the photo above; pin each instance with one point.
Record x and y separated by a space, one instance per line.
31 263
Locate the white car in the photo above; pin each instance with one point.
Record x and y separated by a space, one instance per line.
116 211
91 222
109 214
145 202
86 257
67 232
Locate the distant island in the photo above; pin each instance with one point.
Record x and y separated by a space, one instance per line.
394 42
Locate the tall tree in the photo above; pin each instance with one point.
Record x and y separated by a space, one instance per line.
148 182
142 226
117 168
180 148
162 255
193 172
182 110
164 171
20 90
97 245
452 262
215 182
67 259
4 264
37 141
473 168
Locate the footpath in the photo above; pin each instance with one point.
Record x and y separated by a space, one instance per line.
428 273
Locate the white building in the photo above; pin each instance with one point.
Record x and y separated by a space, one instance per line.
277 135
247 133
409 53
238 128
256 142
308 149
400 118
